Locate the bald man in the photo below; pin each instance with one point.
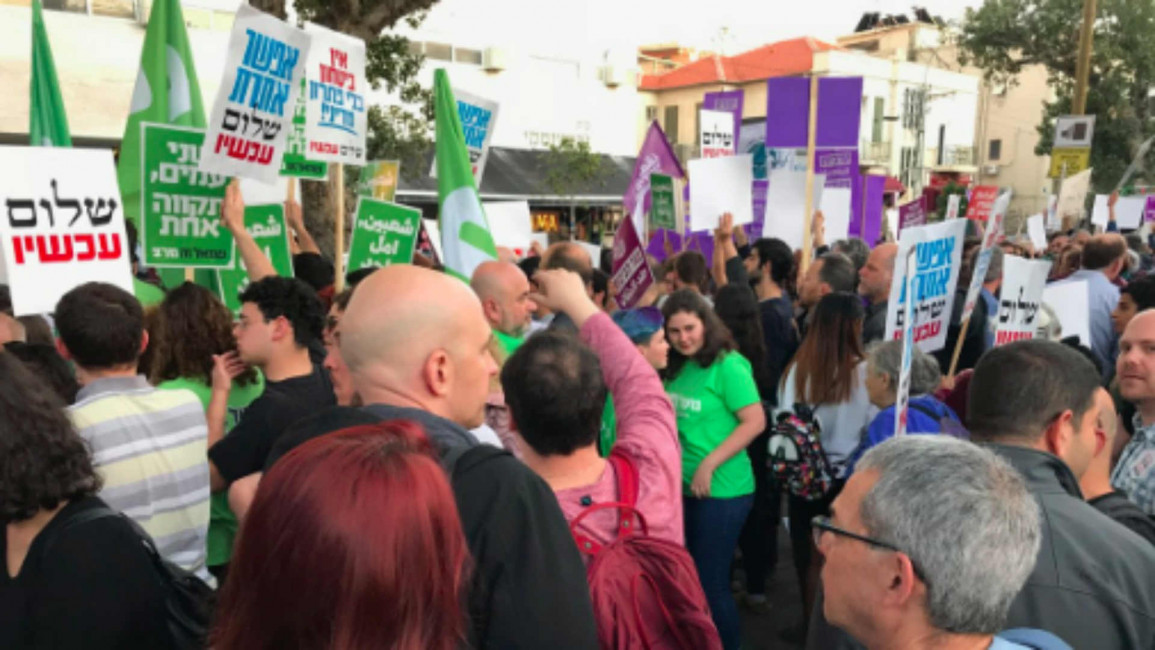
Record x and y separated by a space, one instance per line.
874 284
504 293
572 257
1096 481
417 346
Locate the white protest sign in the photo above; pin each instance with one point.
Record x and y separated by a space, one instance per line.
910 264
478 119
335 111
786 204
253 114
1037 232
510 224
1100 212
983 257
939 252
717 134
721 185
952 206
1020 299
1129 212
1070 303
1072 193
64 224
835 209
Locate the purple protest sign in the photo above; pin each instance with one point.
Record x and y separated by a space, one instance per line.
754 230
839 165
659 240
873 187
1149 209
729 101
839 112
787 111
655 157
911 214
632 274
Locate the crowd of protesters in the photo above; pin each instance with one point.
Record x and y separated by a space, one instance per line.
419 462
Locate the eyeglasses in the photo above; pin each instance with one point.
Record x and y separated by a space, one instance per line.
821 524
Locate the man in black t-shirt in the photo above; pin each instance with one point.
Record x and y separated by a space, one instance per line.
279 319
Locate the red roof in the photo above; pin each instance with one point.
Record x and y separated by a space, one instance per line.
784 58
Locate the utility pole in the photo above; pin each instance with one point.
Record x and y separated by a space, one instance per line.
1083 66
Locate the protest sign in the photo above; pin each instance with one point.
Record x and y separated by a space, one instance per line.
631 272
180 205
253 113
655 157
1149 209
64 225
1070 301
786 205
835 208
758 194
433 231
511 225
982 262
1072 193
295 163
938 251
665 203
1020 298
910 264
869 228
911 214
717 134
982 199
379 180
721 185
1037 232
383 233
952 206
1100 213
266 223
478 119
731 101
1129 212
335 111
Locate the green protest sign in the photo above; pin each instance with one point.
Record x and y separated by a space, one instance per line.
379 180
295 163
180 205
266 223
383 234
663 213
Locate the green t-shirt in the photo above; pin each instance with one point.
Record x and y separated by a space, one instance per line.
508 343
222 521
609 434
706 401
147 293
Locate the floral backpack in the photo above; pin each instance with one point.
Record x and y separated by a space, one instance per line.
796 458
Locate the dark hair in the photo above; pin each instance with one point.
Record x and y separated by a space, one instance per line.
275 297
131 235
554 388
1020 387
716 337
606 261
601 281
838 272
353 278
854 249
824 366
737 307
341 300
191 325
47 364
691 269
36 329
776 254
313 270
43 462
564 256
529 265
1101 252
1142 291
101 325
5 300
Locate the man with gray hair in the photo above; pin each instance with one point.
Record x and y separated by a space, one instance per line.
853 248
911 565
830 273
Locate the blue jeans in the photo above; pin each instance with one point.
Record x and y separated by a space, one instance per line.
712 530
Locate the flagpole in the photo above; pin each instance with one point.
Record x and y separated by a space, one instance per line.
811 135
339 256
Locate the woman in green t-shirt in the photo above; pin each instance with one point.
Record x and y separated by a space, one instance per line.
719 412
190 326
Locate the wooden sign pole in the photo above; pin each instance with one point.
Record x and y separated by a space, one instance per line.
339 249
962 334
811 136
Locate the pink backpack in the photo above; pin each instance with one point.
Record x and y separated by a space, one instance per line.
645 591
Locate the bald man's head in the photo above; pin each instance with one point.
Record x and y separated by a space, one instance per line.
504 293
414 337
875 277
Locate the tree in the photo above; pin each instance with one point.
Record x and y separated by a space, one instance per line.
401 132
1005 36
569 167
952 188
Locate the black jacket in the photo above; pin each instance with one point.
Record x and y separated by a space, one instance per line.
1117 506
874 327
975 341
1094 582
529 583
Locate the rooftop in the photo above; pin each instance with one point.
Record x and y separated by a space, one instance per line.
784 58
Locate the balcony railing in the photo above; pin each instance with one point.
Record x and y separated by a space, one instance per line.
874 153
953 156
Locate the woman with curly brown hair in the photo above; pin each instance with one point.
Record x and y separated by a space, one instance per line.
191 329
69 581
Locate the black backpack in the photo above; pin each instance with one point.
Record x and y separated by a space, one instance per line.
190 602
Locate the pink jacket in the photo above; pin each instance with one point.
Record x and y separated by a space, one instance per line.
647 432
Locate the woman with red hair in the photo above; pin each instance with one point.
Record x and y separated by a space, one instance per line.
353 541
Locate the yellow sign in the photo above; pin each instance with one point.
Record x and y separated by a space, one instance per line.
545 222
1076 160
379 180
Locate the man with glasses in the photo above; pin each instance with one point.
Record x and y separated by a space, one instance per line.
910 565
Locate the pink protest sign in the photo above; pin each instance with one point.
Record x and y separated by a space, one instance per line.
911 214
631 275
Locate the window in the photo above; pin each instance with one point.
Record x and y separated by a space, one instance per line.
466 55
994 149
439 51
651 114
876 123
671 124
698 125
912 108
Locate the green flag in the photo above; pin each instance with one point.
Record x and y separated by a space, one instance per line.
465 238
166 92
47 121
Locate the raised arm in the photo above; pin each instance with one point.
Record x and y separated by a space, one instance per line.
257 264
295 216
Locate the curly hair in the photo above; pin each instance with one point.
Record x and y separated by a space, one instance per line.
293 299
191 325
43 462
716 336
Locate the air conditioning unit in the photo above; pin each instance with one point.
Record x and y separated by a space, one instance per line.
495 59
990 170
613 76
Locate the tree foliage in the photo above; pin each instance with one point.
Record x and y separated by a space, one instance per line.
1005 36
569 166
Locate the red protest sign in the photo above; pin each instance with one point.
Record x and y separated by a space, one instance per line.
982 198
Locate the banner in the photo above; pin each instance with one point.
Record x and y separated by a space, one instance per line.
663 205
180 205
655 157
730 101
902 402
939 252
266 223
631 272
511 225
295 163
981 200
379 180
63 225
252 115
911 214
335 111
383 234
717 133
478 119
1070 300
1020 298
982 262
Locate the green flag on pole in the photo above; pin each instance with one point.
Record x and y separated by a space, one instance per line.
47 121
465 238
166 92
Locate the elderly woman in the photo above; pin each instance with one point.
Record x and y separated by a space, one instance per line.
925 414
